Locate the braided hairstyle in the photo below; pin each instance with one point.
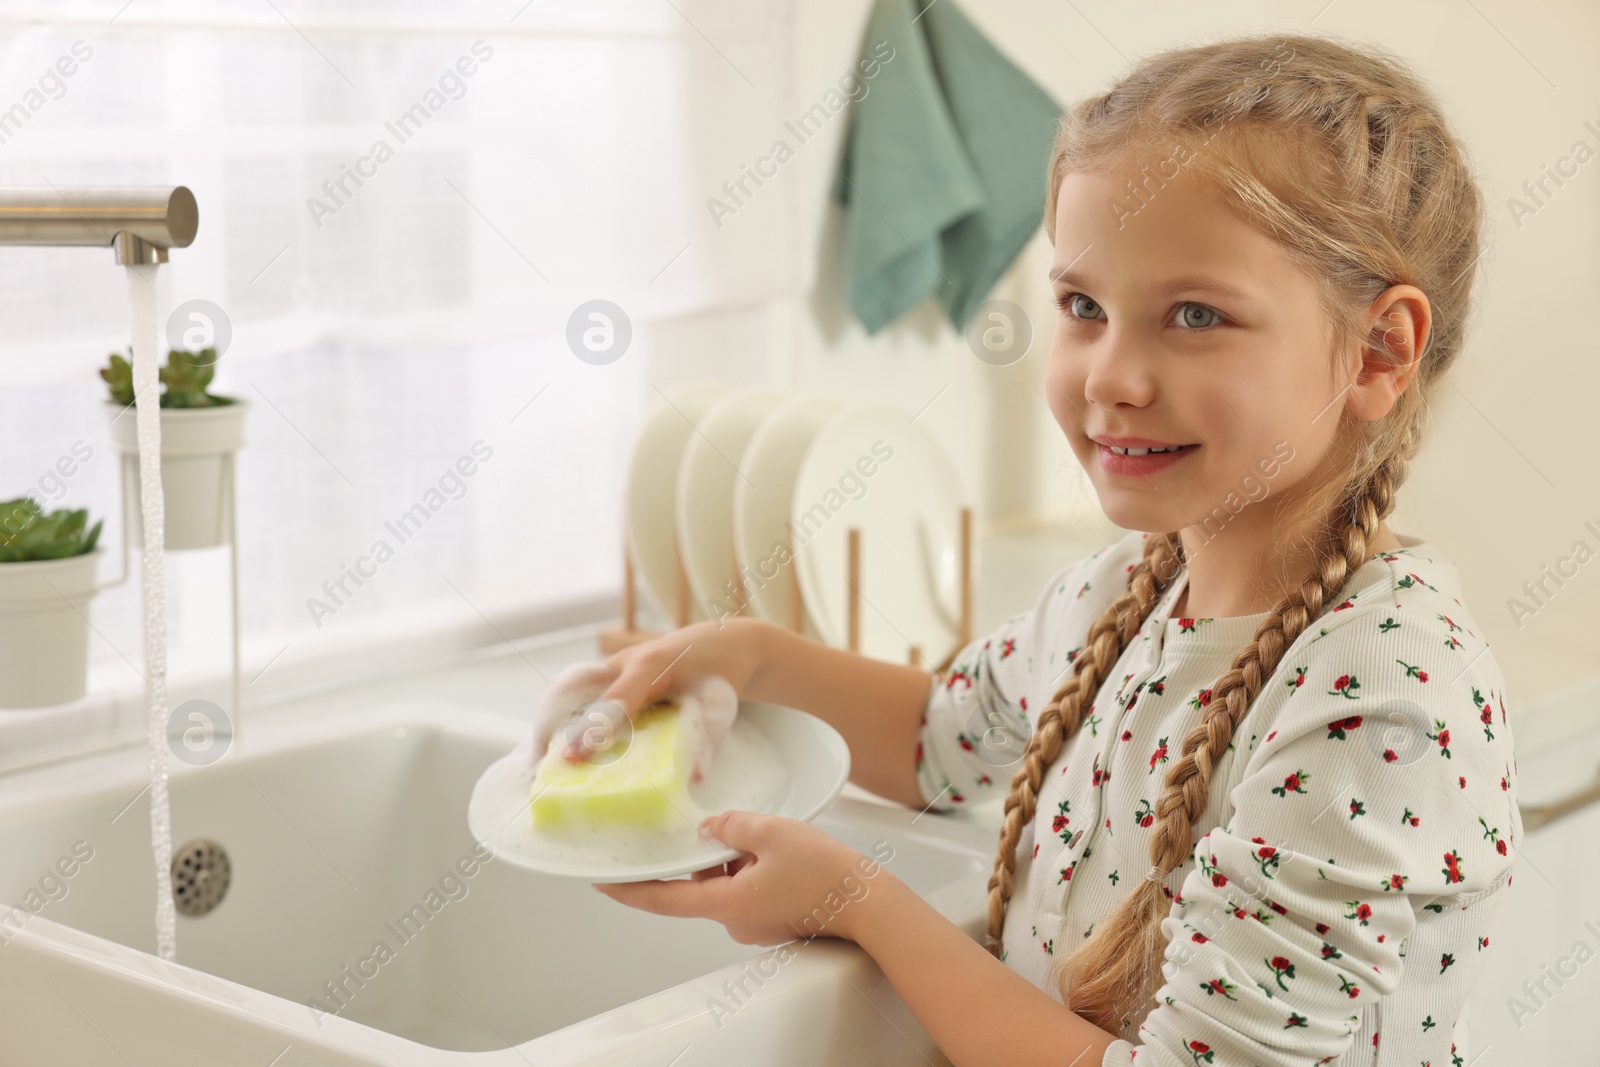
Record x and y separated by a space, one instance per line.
1345 159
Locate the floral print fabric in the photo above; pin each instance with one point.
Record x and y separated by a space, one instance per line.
1359 837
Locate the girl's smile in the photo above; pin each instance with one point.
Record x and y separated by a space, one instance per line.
1138 456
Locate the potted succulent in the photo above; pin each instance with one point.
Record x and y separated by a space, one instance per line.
200 431
47 575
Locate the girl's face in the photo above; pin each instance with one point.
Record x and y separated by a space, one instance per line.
1181 325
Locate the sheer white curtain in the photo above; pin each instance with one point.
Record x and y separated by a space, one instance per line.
383 329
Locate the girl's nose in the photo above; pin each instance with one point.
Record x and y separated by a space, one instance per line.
1119 372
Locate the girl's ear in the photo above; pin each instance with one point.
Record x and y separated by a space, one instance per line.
1401 320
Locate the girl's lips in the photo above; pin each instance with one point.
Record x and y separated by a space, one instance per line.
1117 463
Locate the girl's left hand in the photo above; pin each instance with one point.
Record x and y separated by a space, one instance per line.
796 882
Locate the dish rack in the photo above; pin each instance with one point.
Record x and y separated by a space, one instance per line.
630 633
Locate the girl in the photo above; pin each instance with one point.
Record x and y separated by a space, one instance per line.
1262 801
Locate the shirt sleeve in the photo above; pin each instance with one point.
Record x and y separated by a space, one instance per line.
1377 791
976 723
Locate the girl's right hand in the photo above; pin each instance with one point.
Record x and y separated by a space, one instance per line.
663 666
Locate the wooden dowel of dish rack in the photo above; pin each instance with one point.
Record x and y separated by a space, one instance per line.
916 656
964 635
797 618
683 591
629 633
853 602
630 602
739 590
966 577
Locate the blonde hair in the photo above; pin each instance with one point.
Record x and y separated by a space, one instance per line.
1344 158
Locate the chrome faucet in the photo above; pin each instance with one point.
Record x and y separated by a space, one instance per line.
139 222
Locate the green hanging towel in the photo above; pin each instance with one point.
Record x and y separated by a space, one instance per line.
943 175
905 177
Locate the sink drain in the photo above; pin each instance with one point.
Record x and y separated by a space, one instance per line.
200 874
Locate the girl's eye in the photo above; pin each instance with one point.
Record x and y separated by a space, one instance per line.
1066 302
1188 307
1189 310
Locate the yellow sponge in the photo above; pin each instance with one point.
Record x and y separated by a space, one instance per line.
638 786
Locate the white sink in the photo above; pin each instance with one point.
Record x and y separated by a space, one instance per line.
337 827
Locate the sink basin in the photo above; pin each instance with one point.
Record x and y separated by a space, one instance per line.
361 923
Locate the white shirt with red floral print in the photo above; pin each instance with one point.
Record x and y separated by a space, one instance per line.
1355 854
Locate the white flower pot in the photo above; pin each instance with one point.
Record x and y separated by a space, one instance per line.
44 630
197 445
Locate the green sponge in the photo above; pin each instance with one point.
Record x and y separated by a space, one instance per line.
639 785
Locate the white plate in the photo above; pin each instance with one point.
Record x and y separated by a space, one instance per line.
908 508
652 490
712 466
775 760
763 505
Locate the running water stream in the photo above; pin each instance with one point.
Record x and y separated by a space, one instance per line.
147 413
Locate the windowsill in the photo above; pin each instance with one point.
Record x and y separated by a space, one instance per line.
448 657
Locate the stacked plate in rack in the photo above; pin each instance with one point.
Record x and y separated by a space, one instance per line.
740 501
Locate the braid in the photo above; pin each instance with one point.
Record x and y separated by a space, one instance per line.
1060 719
